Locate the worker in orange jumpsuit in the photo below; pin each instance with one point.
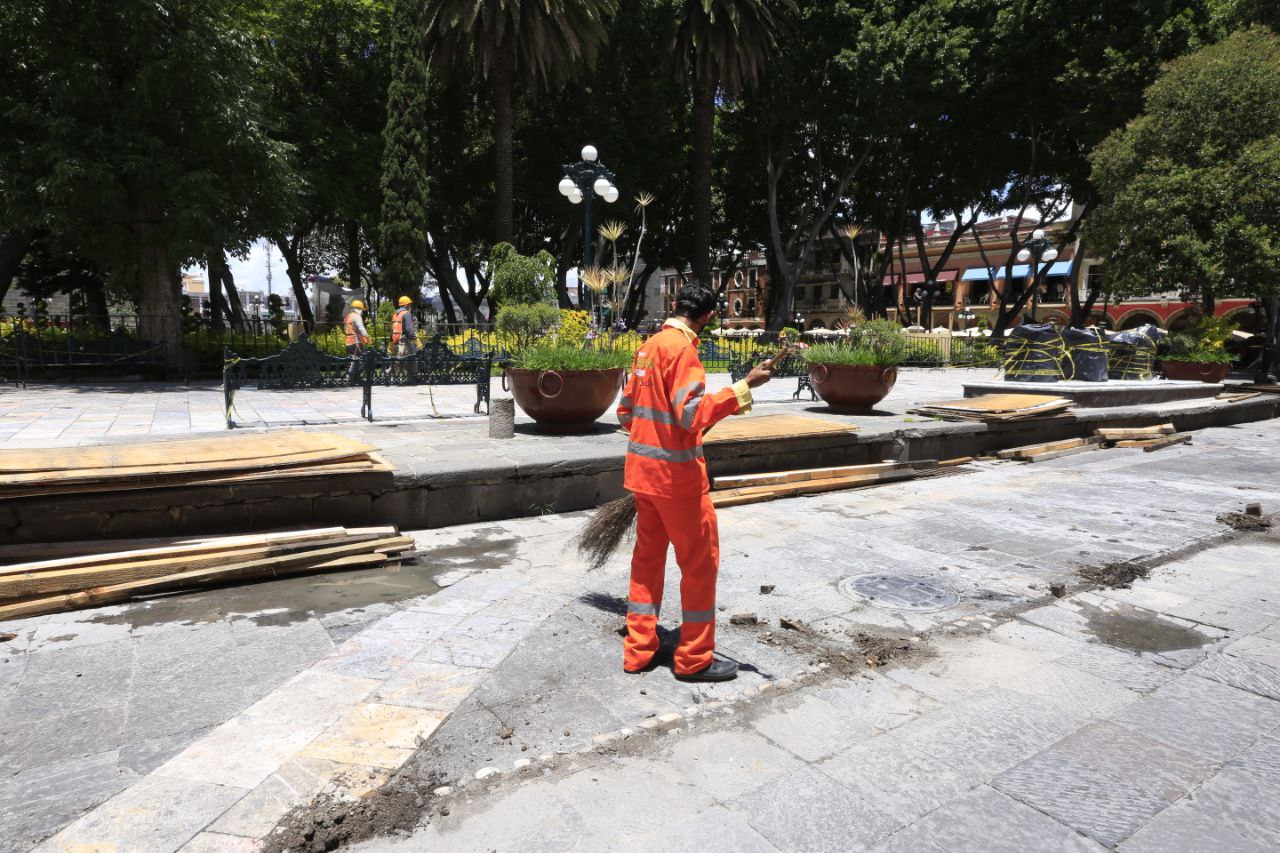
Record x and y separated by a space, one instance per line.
665 410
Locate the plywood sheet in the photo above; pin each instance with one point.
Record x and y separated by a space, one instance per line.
993 403
773 427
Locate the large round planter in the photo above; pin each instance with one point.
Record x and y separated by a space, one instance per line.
852 388
1195 371
564 401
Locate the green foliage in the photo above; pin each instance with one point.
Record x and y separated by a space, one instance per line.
524 324
1190 188
405 166
518 279
791 332
1204 341
839 354
879 342
549 356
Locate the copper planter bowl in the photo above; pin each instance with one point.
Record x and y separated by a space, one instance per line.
564 400
1195 371
852 388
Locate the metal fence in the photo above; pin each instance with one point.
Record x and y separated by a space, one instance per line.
77 347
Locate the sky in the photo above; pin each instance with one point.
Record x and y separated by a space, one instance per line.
251 272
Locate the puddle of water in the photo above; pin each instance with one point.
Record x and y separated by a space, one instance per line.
293 599
1140 630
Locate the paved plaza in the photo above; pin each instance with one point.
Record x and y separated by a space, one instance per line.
61 415
476 702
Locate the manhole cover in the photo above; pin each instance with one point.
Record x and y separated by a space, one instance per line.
900 592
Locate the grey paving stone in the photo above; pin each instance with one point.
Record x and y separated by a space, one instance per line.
1181 828
527 819
1104 807
984 734
725 764
1157 768
143 756
986 820
80 733
1262 760
835 818
154 814
1202 716
594 793
716 828
901 779
1142 673
1257 649
877 701
811 728
1078 693
1243 673
1240 800
62 681
36 803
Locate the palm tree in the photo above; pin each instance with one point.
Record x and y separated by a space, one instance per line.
543 39
723 45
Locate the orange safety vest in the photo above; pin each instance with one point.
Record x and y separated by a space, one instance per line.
397 325
349 324
665 410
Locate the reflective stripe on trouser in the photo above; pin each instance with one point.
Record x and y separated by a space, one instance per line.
690 525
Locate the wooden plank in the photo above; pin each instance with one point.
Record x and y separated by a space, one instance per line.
14 585
1156 443
783 477
1236 397
191 453
1046 447
1057 454
951 463
221 543
769 427
1118 433
995 403
756 494
265 569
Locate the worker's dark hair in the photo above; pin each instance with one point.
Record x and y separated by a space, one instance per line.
695 299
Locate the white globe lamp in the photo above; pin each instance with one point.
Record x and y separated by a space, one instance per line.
601 186
1050 254
1024 255
1037 234
576 196
589 153
567 186
611 194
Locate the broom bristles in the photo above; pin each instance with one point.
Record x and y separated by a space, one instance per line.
601 536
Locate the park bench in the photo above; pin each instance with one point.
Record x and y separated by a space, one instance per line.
299 365
23 353
436 363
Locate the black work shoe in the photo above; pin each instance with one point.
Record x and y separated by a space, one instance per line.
717 670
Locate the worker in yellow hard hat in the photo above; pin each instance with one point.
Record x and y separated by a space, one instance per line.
404 332
357 337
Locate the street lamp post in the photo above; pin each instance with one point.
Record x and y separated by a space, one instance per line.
583 181
1040 248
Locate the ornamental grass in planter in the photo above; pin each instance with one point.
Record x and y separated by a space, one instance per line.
852 377
1200 353
566 388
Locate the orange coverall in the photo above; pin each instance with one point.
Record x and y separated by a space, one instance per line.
665 410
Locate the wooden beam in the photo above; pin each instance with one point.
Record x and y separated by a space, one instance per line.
756 494
799 475
1151 444
1119 433
291 564
1047 447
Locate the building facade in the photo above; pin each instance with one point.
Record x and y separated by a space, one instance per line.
743 288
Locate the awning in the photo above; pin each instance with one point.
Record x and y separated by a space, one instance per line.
947 275
1019 271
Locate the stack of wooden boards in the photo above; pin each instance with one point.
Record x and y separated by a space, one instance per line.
754 488
72 575
220 460
773 427
1237 396
997 408
1149 438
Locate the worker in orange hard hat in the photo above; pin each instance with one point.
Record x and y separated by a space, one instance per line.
356 336
665 409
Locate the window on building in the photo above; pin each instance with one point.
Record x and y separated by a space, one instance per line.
737 307
753 278
835 292
751 308
1094 280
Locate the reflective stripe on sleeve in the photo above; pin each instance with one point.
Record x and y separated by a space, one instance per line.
693 388
651 414
699 615
690 411
662 454
643 608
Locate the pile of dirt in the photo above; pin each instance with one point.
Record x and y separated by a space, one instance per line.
330 821
838 657
1118 575
1245 522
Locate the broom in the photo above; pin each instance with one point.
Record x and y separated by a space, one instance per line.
615 521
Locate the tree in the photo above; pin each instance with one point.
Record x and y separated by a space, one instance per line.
1191 188
722 45
326 69
544 40
124 149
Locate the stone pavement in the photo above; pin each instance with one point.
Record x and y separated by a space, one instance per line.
197 722
70 415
